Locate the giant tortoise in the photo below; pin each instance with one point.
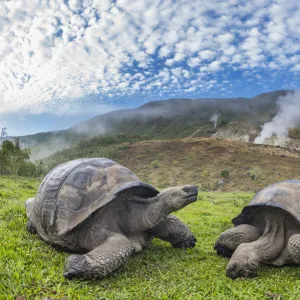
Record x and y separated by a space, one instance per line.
102 212
267 231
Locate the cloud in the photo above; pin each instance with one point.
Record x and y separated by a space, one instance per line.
55 53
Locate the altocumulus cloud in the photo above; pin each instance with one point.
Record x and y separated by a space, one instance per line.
53 53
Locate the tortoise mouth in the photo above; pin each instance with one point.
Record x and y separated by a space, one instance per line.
241 274
192 192
192 197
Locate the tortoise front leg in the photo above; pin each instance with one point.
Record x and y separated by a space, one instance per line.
102 260
293 247
172 230
230 239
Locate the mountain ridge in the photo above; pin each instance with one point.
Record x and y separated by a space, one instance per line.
238 118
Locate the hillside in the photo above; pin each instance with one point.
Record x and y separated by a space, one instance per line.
194 160
232 118
177 118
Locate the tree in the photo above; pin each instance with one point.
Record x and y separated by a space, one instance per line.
4 132
7 149
13 157
40 169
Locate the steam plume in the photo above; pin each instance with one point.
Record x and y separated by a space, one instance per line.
288 116
214 119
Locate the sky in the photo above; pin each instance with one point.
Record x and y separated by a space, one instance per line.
62 62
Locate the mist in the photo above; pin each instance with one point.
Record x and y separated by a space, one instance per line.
48 148
288 116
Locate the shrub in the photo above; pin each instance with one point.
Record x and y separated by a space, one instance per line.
205 173
155 164
213 185
225 173
255 173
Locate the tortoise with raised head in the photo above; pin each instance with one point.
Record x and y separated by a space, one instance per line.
101 211
267 231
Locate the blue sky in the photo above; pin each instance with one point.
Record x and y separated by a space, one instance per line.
62 62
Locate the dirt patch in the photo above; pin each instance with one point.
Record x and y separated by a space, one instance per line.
201 160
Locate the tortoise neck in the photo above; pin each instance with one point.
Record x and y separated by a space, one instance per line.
145 213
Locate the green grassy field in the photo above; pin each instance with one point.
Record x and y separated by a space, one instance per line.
31 269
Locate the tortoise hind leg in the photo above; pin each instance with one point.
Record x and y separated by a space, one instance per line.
30 227
293 247
102 260
172 230
230 239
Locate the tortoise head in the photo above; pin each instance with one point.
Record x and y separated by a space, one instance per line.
243 263
179 196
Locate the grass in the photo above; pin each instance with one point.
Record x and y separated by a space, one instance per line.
32 269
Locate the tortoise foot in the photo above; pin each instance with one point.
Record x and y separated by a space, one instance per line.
223 251
75 266
188 243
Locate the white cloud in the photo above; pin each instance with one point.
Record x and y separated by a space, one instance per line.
169 62
54 53
194 62
229 50
164 51
207 54
191 89
226 38
214 66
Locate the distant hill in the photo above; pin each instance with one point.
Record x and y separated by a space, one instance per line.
177 118
231 118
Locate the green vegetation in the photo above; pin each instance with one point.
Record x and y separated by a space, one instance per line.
256 173
32 269
205 173
14 160
155 164
225 173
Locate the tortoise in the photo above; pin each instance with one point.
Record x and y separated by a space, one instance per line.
102 213
267 231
